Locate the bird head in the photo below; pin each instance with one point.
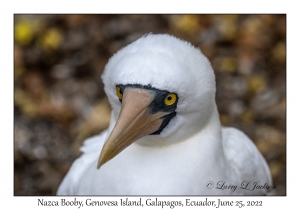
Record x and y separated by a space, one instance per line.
162 91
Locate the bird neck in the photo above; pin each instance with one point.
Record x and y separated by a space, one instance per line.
206 146
210 136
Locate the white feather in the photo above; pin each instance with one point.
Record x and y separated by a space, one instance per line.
192 151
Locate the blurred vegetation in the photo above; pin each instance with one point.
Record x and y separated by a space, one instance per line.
59 99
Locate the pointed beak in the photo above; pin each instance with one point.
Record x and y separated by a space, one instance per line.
135 121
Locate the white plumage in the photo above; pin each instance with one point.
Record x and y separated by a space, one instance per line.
189 154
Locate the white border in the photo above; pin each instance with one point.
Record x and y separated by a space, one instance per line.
8 201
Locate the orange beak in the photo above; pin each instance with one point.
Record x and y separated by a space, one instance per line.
134 122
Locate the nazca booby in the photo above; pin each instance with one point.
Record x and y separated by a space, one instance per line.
165 136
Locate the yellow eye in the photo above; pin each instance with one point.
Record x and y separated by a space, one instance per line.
119 92
170 99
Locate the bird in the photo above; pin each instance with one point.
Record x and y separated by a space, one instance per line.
165 135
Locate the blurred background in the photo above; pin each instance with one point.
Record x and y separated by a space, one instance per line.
59 99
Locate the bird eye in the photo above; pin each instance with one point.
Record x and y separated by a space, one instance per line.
119 92
170 99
